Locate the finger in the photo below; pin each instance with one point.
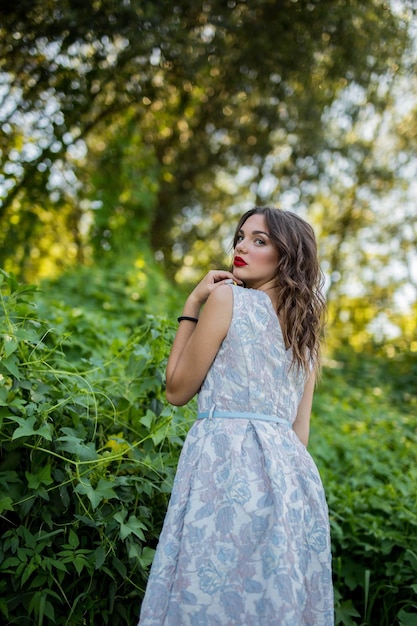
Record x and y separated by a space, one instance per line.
221 275
230 281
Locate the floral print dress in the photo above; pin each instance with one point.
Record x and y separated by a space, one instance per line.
245 540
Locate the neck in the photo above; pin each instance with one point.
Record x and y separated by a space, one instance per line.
267 286
271 291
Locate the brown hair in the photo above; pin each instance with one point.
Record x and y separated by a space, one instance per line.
299 279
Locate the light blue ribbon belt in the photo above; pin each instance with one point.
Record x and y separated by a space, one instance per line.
243 415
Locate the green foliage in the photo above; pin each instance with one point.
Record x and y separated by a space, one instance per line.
364 440
88 454
123 292
133 115
89 450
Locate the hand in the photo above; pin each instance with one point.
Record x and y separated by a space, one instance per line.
211 281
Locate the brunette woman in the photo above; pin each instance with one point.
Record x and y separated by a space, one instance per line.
246 535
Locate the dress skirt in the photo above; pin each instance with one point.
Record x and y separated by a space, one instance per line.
246 538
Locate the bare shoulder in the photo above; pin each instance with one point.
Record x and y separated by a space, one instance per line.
223 294
217 312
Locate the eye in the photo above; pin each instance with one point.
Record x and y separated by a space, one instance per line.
239 238
260 242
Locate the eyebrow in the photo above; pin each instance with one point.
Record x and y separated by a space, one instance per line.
256 232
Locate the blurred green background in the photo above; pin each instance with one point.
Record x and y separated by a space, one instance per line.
133 134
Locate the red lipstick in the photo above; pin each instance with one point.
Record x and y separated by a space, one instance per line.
239 262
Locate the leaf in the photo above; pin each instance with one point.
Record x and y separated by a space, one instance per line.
59 566
146 557
132 526
345 612
18 403
38 581
412 558
3 603
11 366
11 281
407 619
103 491
77 447
6 504
147 419
27 334
120 567
29 569
24 289
73 540
79 563
100 556
3 396
134 550
158 435
26 428
42 476
11 562
10 345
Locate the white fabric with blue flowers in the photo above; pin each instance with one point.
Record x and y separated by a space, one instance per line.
246 536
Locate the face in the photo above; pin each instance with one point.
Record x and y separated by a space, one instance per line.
255 256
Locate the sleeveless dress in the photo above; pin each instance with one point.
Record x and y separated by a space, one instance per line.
246 538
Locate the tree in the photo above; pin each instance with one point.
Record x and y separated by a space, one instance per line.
135 115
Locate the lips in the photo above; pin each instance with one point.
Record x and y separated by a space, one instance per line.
239 262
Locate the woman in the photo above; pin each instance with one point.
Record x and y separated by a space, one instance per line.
246 536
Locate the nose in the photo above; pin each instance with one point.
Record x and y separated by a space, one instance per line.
240 246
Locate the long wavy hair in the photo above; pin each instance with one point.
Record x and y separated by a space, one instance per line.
299 279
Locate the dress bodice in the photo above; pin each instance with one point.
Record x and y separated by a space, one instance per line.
252 370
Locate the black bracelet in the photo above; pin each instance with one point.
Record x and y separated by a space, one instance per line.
186 317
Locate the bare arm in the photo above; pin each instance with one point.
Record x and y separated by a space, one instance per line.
301 425
196 345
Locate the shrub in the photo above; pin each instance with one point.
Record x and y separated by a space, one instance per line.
89 449
364 441
88 453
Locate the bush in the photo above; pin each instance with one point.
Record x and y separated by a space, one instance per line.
88 453
89 450
364 441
